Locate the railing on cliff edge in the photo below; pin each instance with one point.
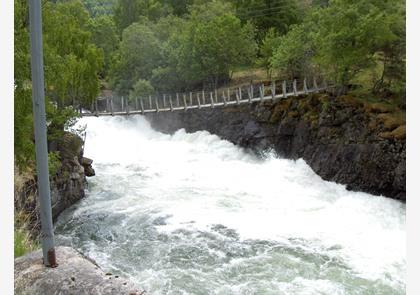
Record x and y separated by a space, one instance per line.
117 106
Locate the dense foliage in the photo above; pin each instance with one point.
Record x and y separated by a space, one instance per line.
346 38
72 64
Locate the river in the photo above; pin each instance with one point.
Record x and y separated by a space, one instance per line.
190 213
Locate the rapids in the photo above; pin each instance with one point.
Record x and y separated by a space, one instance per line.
190 213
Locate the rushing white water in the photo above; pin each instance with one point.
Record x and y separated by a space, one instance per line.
194 214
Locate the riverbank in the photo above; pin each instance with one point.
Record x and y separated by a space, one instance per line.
67 183
343 139
75 274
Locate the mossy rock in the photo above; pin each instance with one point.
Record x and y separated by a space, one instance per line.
279 109
390 121
324 98
292 114
379 108
385 135
351 101
70 146
373 125
397 133
304 105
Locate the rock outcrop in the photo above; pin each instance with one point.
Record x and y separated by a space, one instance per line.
344 140
75 274
67 185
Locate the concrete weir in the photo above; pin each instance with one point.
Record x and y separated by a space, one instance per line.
75 274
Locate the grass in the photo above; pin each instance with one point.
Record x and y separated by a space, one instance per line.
23 242
246 74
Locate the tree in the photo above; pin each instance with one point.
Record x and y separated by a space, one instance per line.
23 121
98 8
349 34
213 43
71 66
104 36
266 14
345 38
72 62
179 7
128 12
292 57
141 89
270 42
137 56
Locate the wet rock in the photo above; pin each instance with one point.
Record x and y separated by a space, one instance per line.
89 171
87 166
75 274
86 161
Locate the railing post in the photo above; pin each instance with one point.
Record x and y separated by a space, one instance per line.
170 103
112 106
284 89
122 103
240 93
127 110
177 100
250 93
228 94
150 102
211 99
237 95
137 104
96 107
262 92
198 100
141 105
295 87
215 95
204 97
273 89
224 97
40 133
315 85
185 101
107 105
191 99
305 87
157 104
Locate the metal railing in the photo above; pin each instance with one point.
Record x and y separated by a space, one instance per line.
251 93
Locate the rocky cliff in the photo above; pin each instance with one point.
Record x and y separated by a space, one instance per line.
343 139
67 185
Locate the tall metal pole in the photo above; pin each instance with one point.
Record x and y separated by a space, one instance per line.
40 126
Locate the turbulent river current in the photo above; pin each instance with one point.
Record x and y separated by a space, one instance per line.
190 213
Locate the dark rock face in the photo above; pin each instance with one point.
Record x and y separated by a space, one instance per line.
340 138
68 186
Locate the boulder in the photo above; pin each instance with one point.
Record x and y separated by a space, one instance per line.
86 161
75 274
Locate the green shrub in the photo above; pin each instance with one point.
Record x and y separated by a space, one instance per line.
23 242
